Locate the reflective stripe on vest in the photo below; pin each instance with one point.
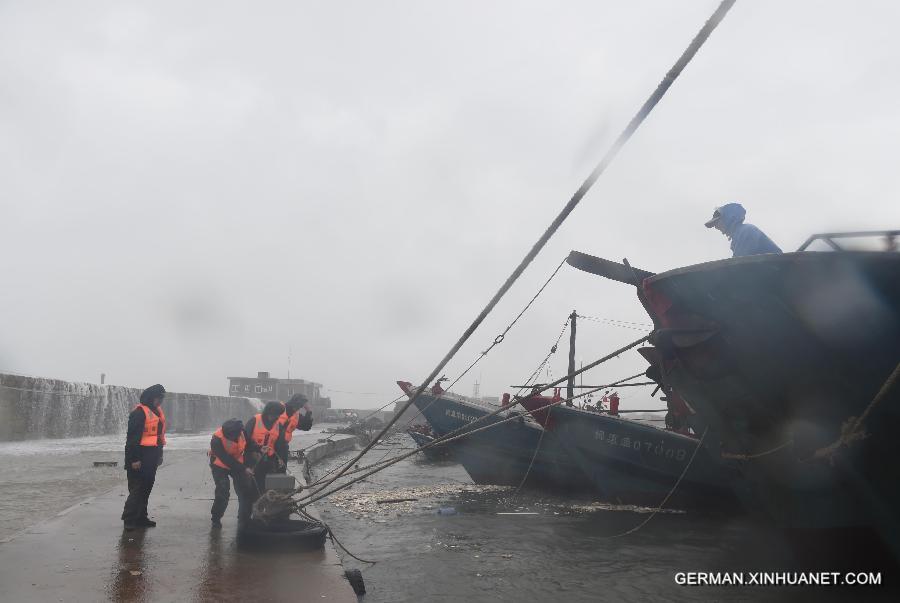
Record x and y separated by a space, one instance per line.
235 449
154 427
263 436
290 423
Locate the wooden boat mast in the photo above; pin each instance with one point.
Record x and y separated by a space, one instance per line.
570 386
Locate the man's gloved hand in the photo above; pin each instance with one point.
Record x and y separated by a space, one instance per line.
136 465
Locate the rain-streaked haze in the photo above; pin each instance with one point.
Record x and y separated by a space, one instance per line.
189 189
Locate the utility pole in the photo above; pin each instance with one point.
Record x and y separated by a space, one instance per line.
570 386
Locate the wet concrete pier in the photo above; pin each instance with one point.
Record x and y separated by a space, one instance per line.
83 553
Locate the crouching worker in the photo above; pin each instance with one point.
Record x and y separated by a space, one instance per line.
226 459
266 447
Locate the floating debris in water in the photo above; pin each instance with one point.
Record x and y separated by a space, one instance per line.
403 500
426 499
600 506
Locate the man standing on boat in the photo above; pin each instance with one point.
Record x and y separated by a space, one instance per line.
746 239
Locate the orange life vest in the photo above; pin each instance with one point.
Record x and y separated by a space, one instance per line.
263 436
290 423
154 427
235 449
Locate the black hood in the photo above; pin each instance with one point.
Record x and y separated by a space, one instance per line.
232 428
295 403
273 409
151 393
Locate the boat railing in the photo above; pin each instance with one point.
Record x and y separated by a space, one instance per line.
831 238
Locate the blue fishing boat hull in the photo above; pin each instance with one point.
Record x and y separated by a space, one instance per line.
508 454
631 463
440 452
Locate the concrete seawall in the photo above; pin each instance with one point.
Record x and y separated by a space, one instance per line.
329 446
35 407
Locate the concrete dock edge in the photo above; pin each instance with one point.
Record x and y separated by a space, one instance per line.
83 554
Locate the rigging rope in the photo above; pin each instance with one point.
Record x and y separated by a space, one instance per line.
750 457
853 428
669 495
455 435
531 463
450 437
499 338
419 412
622 324
567 209
363 420
497 341
441 440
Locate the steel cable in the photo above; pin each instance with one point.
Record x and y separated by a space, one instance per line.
567 209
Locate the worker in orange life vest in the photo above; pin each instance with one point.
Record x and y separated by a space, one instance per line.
296 415
226 459
266 448
144 443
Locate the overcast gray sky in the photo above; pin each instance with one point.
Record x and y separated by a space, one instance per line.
188 189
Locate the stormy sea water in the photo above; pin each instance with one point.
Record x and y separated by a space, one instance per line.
461 542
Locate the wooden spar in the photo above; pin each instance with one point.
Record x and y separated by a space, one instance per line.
570 386
608 269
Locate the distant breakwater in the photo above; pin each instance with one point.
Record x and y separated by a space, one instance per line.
35 407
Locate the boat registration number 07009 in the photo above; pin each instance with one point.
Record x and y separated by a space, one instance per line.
613 439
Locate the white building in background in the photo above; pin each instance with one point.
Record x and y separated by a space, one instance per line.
266 387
